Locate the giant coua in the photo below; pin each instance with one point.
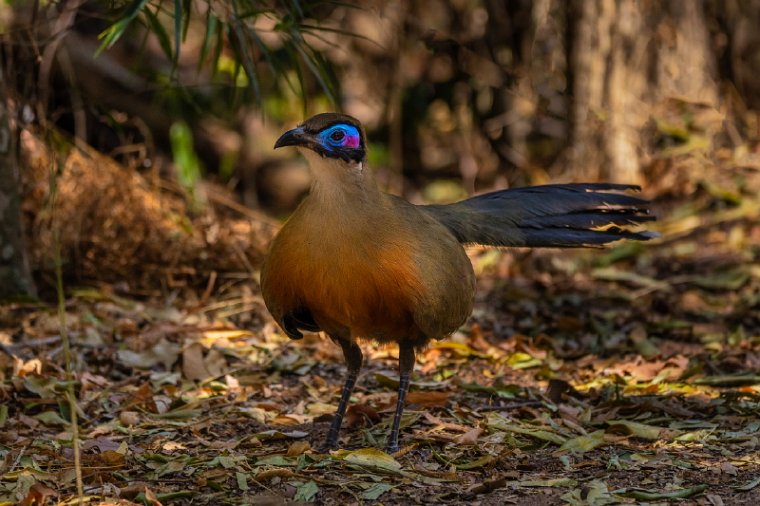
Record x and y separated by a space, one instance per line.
357 263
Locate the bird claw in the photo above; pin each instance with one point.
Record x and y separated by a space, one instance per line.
391 449
327 446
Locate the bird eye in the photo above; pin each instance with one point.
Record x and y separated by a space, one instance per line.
337 135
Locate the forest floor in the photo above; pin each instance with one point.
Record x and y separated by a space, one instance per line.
624 375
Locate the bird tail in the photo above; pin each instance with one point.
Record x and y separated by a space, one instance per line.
556 215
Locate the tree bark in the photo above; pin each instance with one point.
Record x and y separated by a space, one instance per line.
15 276
624 58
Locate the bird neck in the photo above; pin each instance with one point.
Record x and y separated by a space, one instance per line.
341 184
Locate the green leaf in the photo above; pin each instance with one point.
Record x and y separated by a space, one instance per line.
370 458
749 485
522 360
675 131
504 391
614 274
582 444
730 196
306 492
478 463
461 349
278 435
114 32
276 460
212 27
46 388
375 491
731 279
496 421
317 66
729 380
244 51
594 493
636 429
242 481
178 11
186 160
227 462
617 253
551 482
51 418
348 33
158 30
646 495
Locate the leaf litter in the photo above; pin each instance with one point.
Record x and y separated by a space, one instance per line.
622 376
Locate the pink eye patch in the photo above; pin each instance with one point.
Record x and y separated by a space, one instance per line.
341 136
352 141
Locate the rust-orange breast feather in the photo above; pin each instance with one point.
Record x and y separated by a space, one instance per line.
351 289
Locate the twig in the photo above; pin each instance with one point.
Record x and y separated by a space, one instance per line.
35 343
66 343
17 459
508 407
9 350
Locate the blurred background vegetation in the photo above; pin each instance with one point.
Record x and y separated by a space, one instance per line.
138 134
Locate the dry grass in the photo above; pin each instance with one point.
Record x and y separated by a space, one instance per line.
115 225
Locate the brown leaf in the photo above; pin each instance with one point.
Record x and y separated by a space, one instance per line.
272 473
151 497
37 496
193 367
111 458
428 399
557 388
103 444
359 413
298 448
30 422
164 352
470 437
129 418
143 397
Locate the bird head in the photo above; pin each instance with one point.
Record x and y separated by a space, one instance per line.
331 135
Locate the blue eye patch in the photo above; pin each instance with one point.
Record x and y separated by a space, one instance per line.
340 136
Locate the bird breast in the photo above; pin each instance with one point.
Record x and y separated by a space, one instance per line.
374 277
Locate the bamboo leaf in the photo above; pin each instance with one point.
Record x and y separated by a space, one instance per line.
158 30
315 28
114 32
177 28
212 31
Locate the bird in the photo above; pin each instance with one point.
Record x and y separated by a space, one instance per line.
361 265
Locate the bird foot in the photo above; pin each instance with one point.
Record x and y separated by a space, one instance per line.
391 449
327 446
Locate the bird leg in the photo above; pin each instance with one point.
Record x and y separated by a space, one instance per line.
353 356
405 367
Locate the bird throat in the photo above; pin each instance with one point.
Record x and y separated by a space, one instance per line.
340 183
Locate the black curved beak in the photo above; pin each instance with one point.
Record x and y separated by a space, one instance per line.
295 137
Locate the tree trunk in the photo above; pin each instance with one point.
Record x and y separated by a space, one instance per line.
15 277
624 57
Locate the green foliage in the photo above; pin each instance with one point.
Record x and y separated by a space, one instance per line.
115 31
231 27
187 162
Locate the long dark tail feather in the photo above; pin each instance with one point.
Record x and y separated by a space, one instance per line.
556 215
